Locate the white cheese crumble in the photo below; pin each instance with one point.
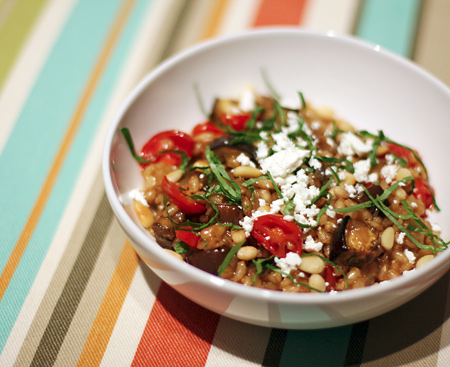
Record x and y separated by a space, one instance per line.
137 195
351 145
244 160
247 100
401 238
410 256
389 172
312 246
288 263
435 227
362 169
284 161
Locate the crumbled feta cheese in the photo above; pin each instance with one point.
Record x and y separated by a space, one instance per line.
351 190
401 238
247 100
362 169
315 125
410 256
351 145
288 263
138 195
312 246
342 175
435 227
262 202
389 172
284 162
244 160
413 205
262 150
314 163
330 212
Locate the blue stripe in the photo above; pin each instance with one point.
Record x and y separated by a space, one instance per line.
84 35
327 347
390 23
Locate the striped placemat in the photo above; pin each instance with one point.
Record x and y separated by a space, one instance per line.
72 290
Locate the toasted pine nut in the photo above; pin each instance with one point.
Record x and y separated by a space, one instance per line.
382 150
387 238
175 175
264 208
344 125
423 260
175 254
144 214
194 184
312 265
325 112
402 173
241 269
200 163
264 183
238 236
349 178
400 194
316 281
247 172
247 253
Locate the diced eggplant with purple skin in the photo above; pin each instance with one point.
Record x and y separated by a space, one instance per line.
374 191
225 142
208 260
230 213
354 244
164 232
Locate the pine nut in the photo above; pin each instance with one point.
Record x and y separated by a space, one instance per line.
400 194
387 238
238 236
423 260
247 172
344 125
247 253
144 214
316 281
402 173
312 265
382 150
175 175
241 269
264 208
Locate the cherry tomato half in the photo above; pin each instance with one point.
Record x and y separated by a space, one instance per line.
167 140
331 278
277 235
422 192
237 122
186 204
207 127
188 237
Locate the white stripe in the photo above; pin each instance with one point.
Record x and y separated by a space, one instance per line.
23 75
238 344
336 15
239 15
132 319
146 42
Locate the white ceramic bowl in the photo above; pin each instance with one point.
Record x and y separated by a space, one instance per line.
370 87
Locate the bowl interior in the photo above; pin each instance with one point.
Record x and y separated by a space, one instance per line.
369 87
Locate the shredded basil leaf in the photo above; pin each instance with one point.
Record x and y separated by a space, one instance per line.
181 247
228 258
127 135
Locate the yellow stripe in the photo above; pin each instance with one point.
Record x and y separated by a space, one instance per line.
108 313
216 15
64 149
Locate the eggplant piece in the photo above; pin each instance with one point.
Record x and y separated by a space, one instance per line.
374 191
354 244
164 232
230 213
225 141
208 260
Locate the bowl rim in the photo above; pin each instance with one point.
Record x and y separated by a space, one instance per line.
145 240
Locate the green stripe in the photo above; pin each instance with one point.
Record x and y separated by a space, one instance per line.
15 31
391 24
38 130
327 347
73 290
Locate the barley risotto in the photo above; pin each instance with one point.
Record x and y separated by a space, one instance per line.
281 195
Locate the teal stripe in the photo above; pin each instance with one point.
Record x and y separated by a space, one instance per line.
391 24
327 347
38 246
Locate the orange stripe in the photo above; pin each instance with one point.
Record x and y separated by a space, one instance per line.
64 149
214 19
280 12
178 332
108 313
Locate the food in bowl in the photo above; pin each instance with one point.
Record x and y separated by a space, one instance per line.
285 196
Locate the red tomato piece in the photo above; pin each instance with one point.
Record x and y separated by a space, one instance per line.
423 193
277 234
331 279
169 158
188 237
207 127
167 140
237 122
186 204
402 153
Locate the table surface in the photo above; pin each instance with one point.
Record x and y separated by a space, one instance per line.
72 290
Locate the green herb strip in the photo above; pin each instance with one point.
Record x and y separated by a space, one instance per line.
260 264
302 100
127 135
228 258
275 186
184 158
181 247
230 189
